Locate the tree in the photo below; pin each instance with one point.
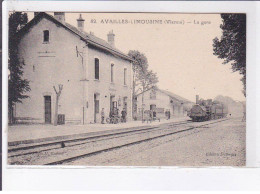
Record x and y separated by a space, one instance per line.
148 79
17 85
143 79
232 45
140 64
58 93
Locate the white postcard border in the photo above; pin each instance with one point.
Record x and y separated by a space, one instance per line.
143 178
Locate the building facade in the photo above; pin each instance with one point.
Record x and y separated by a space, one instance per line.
161 102
93 73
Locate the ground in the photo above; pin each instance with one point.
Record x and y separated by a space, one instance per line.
211 143
223 144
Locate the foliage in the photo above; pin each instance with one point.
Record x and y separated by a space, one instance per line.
148 79
143 78
232 45
17 86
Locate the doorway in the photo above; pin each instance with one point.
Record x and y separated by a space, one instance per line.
47 109
153 109
96 107
112 102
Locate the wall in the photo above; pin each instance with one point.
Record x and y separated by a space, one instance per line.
104 87
162 101
54 63
48 65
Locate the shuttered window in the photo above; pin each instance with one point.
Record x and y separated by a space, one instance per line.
112 73
97 68
46 36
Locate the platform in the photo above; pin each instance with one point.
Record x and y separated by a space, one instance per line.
18 134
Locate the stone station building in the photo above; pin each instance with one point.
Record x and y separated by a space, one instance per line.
94 74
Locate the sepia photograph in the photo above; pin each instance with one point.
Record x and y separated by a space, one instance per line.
126 89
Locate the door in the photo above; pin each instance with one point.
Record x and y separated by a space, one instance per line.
153 108
47 109
112 100
96 107
114 104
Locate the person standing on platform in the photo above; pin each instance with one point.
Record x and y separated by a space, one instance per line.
123 113
166 114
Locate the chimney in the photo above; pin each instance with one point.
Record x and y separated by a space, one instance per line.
111 38
80 23
197 99
60 16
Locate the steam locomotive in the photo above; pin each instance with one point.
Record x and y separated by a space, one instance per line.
205 110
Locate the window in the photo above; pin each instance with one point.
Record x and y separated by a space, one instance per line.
46 36
125 74
97 68
153 95
112 73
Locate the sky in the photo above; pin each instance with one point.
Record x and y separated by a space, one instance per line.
178 48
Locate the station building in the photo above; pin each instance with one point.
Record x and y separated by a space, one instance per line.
94 74
161 101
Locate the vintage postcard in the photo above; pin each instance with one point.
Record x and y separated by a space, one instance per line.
126 89
130 95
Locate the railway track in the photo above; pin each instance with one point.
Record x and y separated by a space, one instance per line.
84 155
128 138
16 151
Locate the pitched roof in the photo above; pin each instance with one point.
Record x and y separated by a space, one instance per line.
170 94
175 96
89 38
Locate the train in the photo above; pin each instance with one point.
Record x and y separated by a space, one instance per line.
205 110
